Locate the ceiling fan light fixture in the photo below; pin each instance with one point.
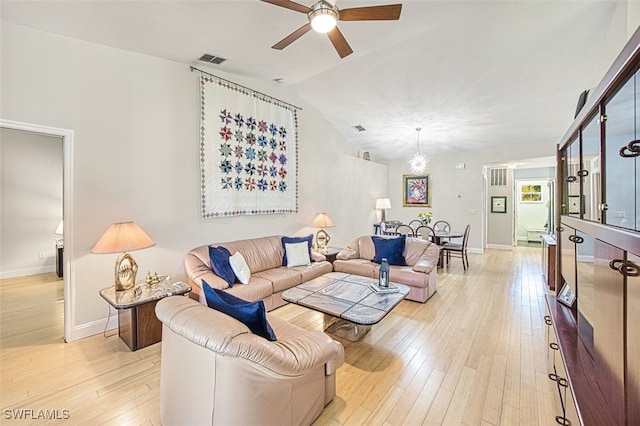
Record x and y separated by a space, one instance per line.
323 17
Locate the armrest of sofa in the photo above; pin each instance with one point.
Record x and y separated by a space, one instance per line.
296 353
428 260
317 257
350 252
199 270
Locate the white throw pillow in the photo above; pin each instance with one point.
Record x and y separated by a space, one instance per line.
240 267
297 254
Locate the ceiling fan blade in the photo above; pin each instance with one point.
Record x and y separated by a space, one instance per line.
287 4
292 37
389 12
339 42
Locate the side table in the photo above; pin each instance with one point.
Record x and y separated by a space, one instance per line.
332 253
138 325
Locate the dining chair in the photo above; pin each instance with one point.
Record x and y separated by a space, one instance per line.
405 230
454 249
415 224
425 232
441 226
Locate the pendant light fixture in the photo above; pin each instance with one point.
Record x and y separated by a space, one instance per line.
419 161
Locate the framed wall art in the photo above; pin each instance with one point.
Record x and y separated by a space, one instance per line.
498 204
531 193
416 191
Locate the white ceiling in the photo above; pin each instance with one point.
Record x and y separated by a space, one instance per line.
472 74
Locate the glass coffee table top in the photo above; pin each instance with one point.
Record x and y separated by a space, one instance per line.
346 296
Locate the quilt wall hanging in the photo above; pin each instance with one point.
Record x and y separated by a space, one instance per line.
248 151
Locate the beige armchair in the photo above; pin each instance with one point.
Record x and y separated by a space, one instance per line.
214 371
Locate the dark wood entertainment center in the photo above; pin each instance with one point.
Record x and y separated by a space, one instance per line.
594 343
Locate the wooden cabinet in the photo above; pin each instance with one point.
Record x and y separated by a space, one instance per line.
549 260
632 378
608 320
598 244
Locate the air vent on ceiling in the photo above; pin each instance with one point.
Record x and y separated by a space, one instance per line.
212 59
498 177
359 128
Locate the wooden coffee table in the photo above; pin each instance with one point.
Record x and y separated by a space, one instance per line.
350 306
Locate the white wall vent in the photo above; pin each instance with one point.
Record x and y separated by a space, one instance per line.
498 177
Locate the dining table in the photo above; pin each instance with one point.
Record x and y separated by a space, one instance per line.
439 236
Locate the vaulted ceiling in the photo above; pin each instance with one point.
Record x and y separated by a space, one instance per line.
472 74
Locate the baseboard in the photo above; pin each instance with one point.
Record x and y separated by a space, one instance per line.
27 271
96 327
500 247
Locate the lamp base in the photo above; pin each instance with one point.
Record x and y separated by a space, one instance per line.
322 240
126 270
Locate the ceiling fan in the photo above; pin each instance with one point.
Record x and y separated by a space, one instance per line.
323 17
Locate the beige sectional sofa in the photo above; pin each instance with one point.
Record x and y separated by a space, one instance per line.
268 277
214 371
420 274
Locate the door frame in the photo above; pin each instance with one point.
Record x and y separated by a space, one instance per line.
67 209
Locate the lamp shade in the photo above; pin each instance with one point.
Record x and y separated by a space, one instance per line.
122 237
383 203
322 220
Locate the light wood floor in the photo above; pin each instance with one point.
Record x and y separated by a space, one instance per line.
474 354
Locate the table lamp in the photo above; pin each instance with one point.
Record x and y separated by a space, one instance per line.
123 237
322 220
383 204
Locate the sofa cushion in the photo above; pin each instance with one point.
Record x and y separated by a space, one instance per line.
251 314
291 240
219 258
281 278
240 267
297 254
391 249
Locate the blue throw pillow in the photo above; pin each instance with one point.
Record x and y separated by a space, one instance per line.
391 249
251 314
293 240
219 257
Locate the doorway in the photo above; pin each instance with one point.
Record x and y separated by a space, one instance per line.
67 201
532 203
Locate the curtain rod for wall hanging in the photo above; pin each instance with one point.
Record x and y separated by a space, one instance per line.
253 92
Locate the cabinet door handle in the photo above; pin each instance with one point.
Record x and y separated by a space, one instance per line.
559 229
628 268
553 376
554 346
562 382
631 150
615 264
572 179
576 239
582 173
563 421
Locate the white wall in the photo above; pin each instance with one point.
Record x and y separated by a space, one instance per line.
31 200
135 120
